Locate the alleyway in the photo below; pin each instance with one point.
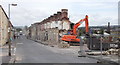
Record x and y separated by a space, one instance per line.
29 51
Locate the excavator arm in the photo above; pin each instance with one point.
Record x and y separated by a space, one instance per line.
79 23
73 37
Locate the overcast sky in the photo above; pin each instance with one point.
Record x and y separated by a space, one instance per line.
27 12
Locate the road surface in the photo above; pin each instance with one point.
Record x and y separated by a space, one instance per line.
29 51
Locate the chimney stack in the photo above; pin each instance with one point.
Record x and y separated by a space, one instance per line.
59 15
108 30
64 13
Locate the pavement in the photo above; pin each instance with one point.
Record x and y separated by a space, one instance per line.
112 59
4 55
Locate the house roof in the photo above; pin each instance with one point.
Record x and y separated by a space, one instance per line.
4 11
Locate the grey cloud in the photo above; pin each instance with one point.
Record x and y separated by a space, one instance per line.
30 11
26 17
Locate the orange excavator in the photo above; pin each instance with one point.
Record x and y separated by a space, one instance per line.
73 36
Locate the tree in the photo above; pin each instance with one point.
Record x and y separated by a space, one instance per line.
18 29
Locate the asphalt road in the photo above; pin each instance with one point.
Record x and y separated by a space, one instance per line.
29 51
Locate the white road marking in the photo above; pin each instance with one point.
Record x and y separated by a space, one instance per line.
19 43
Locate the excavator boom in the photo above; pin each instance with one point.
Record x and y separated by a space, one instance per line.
79 23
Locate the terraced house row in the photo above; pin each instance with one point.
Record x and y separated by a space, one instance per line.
51 28
5 26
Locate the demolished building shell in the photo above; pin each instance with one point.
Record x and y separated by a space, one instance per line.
49 28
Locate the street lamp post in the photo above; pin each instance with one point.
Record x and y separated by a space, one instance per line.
9 29
9 9
9 42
